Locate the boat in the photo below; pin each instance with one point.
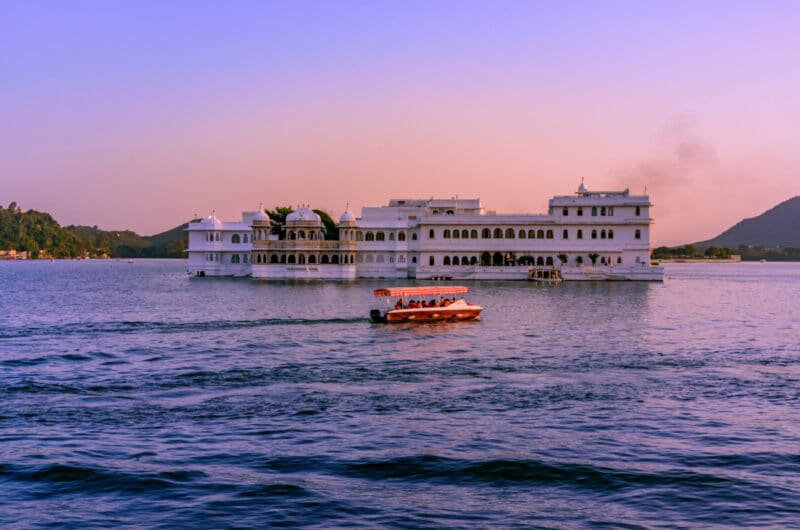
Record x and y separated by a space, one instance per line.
540 275
425 304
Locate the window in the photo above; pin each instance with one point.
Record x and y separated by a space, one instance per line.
549 234
602 234
401 259
401 236
324 259
565 234
292 258
380 236
391 236
549 261
414 236
473 260
312 259
580 212
301 234
413 259
369 236
273 258
603 211
431 261
446 234
446 260
610 211
486 233
244 258
301 259
637 234
498 234
391 259
312 235
464 260
565 212
610 234
335 259
594 234
594 211
216 236
465 234
283 258
235 238
456 234
540 261
370 258
509 233
379 259
580 234
540 234
431 234
619 260
450 212
531 234
436 212
638 210
360 259
522 234
359 236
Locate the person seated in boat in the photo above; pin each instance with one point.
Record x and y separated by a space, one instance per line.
412 304
446 302
433 303
399 304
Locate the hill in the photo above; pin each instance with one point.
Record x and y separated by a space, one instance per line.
37 233
127 244
778 227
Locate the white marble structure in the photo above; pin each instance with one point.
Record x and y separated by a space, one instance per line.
591 235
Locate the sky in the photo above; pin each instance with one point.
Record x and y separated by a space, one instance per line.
140 114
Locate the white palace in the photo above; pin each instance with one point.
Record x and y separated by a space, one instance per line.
591 235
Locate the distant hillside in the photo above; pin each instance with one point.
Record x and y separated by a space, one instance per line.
778 227
127 244
37 233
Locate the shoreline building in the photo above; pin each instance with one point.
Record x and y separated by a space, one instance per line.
591 235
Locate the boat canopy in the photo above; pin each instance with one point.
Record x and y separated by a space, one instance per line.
421 291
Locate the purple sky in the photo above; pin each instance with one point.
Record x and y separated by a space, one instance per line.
140 114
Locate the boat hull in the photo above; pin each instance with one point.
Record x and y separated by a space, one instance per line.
430 314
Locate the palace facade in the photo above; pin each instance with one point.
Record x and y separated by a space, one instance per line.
585 236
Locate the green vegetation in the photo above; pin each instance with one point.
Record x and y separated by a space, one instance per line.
747 252
278 219
39 234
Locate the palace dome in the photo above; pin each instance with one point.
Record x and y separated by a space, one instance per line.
211 221
347 217
303 214
261 216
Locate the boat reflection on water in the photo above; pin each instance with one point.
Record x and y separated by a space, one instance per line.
425 304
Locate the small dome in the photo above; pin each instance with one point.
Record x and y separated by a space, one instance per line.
581 188
211 220
261 216
303 214
347 217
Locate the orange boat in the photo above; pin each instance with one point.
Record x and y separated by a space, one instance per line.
425 304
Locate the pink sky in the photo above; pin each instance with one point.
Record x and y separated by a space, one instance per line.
139 116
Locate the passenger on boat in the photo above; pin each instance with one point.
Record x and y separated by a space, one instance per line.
446 302
399 304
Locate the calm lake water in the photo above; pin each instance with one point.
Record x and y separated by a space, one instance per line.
133 395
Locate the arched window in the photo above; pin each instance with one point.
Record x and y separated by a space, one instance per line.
301 234
391 236
244 239
380 236
446 234
602 234
497 259
301 259
312 259
594 234
455 260
446 260
216 236
473 260
549 234
335 259
486 259
370 258
638 210
580 234
611 234
379 258
473 234
431 261
531 234
565 234
292 235
235 238
522 234
594 211
369 236
431 234
540 261
273 258
540 234
509 233
292 258
637 234
359 236
413 236
498 233
401 258
283 258
235 258
456 234
312 235
465 234
549 261
413 259
464 260
450 212
401 236
486 233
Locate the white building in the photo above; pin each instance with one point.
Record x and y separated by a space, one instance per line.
589 235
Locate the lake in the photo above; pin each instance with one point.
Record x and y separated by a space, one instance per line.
132 394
